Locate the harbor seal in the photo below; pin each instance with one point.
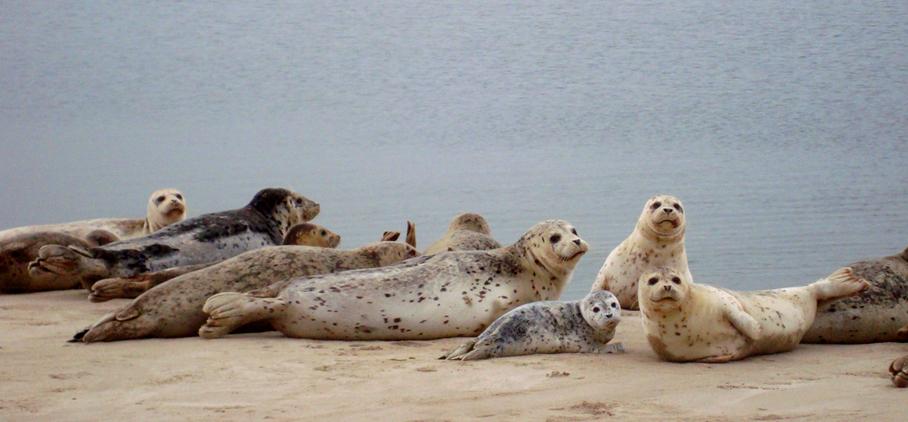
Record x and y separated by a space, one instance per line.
16 252
898 369
449 294
686 322
205 239
878 314
579 326
305 234
174 308
657 241
122 228
467 232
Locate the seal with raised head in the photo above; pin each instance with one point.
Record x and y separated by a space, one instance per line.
579 326
444 295
205 239
16 252
169 210
305 234
467 232
688 322
878 314
656 242
174 308
898 369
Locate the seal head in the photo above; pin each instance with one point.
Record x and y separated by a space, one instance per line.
312 235
662 218
165 207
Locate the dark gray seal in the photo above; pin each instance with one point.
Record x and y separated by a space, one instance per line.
878 314
580 326
205 239
17 251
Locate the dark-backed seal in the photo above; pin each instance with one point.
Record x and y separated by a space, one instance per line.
444 295
467 232
656 242
579 326
878 314
16 252
174 308
305 234
689 322
165 206
898 369
205 239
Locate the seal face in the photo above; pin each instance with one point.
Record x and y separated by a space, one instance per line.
584 326
205 239
684 321
878 314
174 308
467 232
165 207
657 241
309 234
444 295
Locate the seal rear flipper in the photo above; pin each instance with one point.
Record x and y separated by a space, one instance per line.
898 369
843 282
459 351
77 337
411 234
390 236
229 311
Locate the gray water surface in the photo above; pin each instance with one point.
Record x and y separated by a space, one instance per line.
783 126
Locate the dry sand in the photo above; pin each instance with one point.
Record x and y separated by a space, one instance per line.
267 376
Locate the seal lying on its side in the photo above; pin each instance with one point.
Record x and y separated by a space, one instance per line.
305 234
449 294
467 232
686 322
580 326
657 241
16 252
899 371
205 239
174 308
165 206
878 314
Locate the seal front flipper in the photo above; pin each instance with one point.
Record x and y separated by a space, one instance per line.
229 311
741 320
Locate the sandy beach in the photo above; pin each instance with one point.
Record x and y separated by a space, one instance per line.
267 376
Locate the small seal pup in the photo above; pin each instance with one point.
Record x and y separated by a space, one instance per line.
657 241
878 314
205 239
899 371
305 234
174 308
449 294
16 252
579 326
169 210
467 232
688 322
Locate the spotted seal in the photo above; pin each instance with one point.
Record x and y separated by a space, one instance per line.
579 326
657 241
444 295
205 239
170 209
467 232
685 321
878 314
898 369
305 234
17 251
174 308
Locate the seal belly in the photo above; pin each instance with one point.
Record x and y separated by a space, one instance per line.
783 314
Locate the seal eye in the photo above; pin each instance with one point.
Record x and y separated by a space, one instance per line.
555 238
180 197
678 207
655 205
574 231
676 280
596 309
614 305
159 199
653 281
324 233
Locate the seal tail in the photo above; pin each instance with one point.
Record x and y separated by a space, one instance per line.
843 282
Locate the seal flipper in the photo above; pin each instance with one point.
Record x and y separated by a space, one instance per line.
77 337
390 236
411 234
898 369
132 287
843 282
229 311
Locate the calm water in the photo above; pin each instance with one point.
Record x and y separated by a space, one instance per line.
783 126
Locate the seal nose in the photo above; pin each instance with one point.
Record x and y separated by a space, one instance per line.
667 210
667 287
577 242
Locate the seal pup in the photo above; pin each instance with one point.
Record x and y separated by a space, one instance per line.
579 326
657 241
467 232
16 252
205 239
123 228
898 369
878 314
688 322
174 308
305 234
449 294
